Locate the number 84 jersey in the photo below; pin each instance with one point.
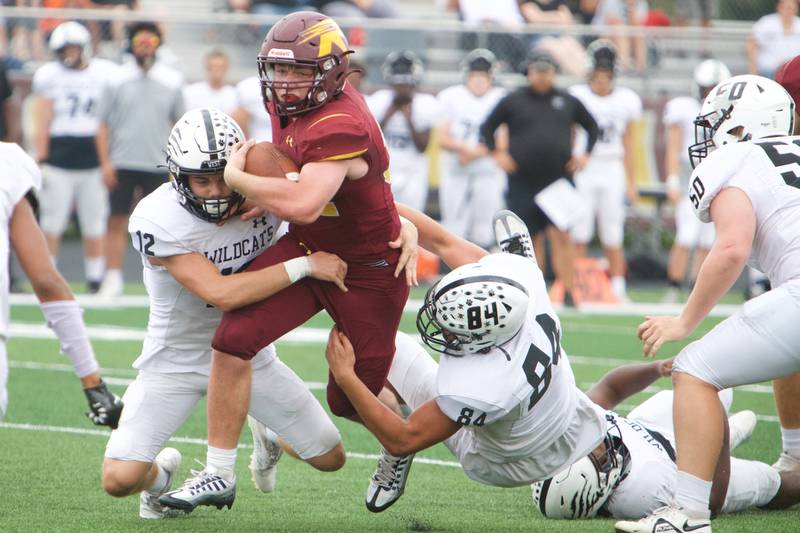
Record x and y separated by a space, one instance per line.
768 172
519 402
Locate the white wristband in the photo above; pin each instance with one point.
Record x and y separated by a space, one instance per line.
673 181
404 220
297 268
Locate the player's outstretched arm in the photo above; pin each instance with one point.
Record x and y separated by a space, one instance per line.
200 276
453 250
623 382
425 427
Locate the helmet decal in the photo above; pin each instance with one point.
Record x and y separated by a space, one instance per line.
329 35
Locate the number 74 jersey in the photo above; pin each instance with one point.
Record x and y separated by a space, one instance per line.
520 401
768 172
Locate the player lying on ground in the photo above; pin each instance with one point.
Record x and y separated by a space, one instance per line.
62 313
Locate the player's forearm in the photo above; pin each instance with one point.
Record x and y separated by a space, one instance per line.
238 290
42 137
101 145
623 382
279 196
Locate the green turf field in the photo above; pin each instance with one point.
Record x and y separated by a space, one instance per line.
51 454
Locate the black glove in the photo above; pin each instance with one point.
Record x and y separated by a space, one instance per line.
105 407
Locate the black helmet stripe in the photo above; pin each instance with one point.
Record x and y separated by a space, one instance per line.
478 279
212 141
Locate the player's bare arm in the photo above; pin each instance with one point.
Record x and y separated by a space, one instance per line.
632 191
101 142
735 224
44 117
426 426
623 382
199 275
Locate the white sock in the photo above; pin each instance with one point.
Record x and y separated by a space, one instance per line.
113 275
222 460
94 267
791 441
618 285
66 320
160 482
693 495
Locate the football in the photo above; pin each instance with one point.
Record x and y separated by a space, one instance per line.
266 159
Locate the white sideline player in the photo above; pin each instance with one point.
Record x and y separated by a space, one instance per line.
249 111
679 115
745 187
608 177
503 397
194 249
67 92
19 178
406 118
633 472
472 184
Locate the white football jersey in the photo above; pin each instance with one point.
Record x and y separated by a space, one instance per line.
75 95
767 170
613 113
520 398
682 111
181 325
248 96
201 94
404 158
18 175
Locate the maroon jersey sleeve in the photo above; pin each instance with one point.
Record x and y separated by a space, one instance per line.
334 137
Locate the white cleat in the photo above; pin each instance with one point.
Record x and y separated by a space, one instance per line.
786 463
170 460
667 519
388 482
512 234
742 425
205 487
266 454
112 286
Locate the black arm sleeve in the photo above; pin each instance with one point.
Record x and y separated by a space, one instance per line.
587 122
492 122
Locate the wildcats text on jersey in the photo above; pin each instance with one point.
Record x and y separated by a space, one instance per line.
251 245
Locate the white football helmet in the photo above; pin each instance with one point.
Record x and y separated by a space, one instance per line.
199 145
707 74
582 489
757 105
472 309
66 34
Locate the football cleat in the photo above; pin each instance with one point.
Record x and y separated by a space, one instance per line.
388 482
742 425
105 407
266 453
786 463
667 519
205 487
512 234
170 460
112 286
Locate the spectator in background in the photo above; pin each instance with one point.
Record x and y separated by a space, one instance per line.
356 8
67 92
775 39
540 119
609 177
27 41
679 116
267 7
567 51
406 118
472 185
113 31
214 91
687 11
632 51
136 113
506 18
249 112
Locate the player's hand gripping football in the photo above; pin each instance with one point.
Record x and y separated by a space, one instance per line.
340 355
238 156
656 330
328 267
105 407
407 242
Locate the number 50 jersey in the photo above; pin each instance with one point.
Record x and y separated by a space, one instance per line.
526 417
768 172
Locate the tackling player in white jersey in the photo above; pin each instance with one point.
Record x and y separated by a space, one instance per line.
745 186
679 115
472 184
194 250
19 178
406 118
608 177
67 92
503 398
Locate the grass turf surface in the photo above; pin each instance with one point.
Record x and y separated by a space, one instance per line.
50 479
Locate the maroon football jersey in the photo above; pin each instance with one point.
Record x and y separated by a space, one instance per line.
361 218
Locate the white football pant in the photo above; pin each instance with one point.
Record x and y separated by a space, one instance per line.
602 188
61 188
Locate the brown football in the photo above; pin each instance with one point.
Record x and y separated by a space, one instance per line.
266 159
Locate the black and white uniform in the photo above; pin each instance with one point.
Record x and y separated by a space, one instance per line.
470 194
18 175
71 174
524 419
176 355
602 182
761 341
